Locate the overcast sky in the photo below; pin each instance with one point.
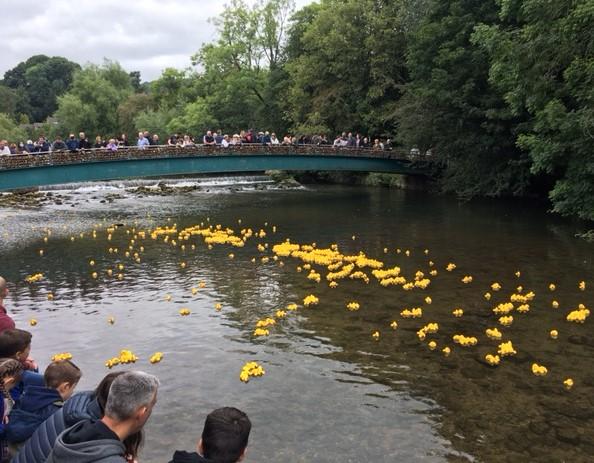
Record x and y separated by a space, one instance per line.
142 35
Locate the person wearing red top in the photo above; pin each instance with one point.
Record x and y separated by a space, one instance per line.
6 323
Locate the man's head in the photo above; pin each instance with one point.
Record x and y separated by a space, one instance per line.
15 344
131 399
81 135
3 143
3 288
140 135
63 376
225 435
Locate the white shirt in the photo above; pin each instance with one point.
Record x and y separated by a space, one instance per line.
5 151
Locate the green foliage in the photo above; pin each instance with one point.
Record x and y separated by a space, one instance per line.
129 109
542 60
8 100
347 65
39 81
154 122
450 107
9 130
92 102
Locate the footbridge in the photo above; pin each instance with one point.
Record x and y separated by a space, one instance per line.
35 170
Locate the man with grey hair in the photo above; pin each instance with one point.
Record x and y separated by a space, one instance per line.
130 402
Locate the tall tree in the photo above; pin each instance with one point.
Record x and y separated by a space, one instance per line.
39 81
450 106
543 60
92 102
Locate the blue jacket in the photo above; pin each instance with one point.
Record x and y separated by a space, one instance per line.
80 406
36 405
72 144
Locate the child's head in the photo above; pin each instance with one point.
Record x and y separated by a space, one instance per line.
225 435
62 376
10 374
15 344
3 288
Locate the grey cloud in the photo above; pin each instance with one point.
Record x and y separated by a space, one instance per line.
144 35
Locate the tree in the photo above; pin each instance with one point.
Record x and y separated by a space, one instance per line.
450 106
541 59
9 130
39 81
346 62
129 109
92 102
8 101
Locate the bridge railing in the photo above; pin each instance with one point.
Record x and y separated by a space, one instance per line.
56 158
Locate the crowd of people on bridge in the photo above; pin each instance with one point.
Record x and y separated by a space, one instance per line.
145 139
44 420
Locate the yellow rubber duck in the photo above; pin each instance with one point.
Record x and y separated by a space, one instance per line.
555 304
61 356
554 334
394 324
568 383
495 286
156 357
353 306
582 285
552 287
375 335
492 360
446 351
457 313
218 306
32 322
184 311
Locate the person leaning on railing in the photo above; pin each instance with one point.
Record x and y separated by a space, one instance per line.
4 149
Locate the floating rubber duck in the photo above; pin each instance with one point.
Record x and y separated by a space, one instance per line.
446 351
450 267
465 341
184 312
182 264
467 279
432 345
579 315
552 287
249 370
156 357
111 320
428 300
582 285
167 297
61 356
333 284
292 306
94 275
518 274
487 296
457 313
91 263
417 312
394 324
375 335
506 320
539 370
120 276
506 349
32 322
555 305
280 313
554 334
50 297
34 278
495 286
353 306
568 383
492 360
41 252
202 284
261 332
310 300
218 306
493 333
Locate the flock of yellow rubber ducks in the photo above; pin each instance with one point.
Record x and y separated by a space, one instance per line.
321 264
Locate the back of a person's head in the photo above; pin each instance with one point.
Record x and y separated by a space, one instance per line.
60 372
14 341
225 435
9 367
102 389
129 392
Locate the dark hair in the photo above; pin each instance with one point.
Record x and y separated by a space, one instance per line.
225 434
14 341
132 443
61 371
102 390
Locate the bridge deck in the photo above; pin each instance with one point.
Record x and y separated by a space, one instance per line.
24 171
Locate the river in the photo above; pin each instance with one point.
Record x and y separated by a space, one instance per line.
331 392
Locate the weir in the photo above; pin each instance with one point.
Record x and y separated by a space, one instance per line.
27 171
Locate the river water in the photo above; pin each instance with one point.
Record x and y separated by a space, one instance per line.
331 392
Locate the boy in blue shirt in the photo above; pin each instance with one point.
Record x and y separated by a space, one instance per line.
37 403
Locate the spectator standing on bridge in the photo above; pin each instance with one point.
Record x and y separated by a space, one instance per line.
208 139
99 143
187 141
218 136
142 141
72 143
378 145
4 148
155 140
225 142
58 144
112 145
83 142
123 140
273 139
29 146
42 145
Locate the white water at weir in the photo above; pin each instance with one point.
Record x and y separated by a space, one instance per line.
213 182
